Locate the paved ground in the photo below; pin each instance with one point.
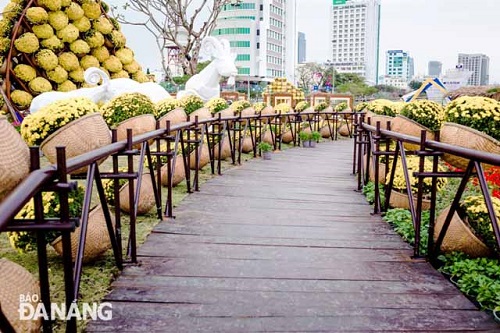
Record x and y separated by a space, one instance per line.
284 246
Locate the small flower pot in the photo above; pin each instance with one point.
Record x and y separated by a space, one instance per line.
266 155
312 144
306 144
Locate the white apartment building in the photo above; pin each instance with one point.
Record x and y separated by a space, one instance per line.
479 65
263 35
394 81
355 37
398 63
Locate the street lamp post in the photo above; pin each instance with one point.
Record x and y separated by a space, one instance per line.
328 63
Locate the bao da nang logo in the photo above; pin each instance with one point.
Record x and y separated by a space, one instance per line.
30 308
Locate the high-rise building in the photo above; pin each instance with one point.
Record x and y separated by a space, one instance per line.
355 37
262 34
301 48
479 64
398 63
435 68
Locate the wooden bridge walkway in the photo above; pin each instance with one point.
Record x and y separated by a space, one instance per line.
284 246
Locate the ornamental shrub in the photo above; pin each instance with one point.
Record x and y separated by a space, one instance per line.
126 106
190 103
216 104
165 106
239 106
382 107
427 113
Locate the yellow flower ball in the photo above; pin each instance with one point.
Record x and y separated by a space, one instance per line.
53 43
77 75
43 31
165 106
94 38
83 24
79 47
21 98
133 67
69 33
69 61
40 85
113 64
74 11
4 45
66 3
37 15
57 75
103 25
53 5
25 72
12 11
58 20
125 55
27 43
89 61
67 86
92 10
118 39
120 74
5 27
101 53
46 59
140 77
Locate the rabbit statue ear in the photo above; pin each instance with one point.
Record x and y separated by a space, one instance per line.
212 47
225 46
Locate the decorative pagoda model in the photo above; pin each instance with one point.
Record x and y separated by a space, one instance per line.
46 45
281 91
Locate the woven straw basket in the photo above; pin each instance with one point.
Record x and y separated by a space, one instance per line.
226 113
381 170
139 125
176 116
326 130
225 151
203 113
344 130
268 110
268 137
248 112
79 136
404 125
146 196
459 237
323 114
376 117
179 173
467 137
204 158
97 241
400 200
247 145
17 282
287 137
15 158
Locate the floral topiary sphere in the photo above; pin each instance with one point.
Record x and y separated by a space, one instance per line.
75 11
25 72
94 38
125 55
118 39
27 43
37 15
40 85
69 33
77 75
133 67
121 74
43 31
126 106
103 25
92 10
53 5
69 61
21 98
58 20
89 61
79 47
46 59
57 75
4 45
12 11
101 53
53 43
113 64
67 86
83 24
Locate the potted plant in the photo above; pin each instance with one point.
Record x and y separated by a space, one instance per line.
314 137
194 106
259 106
62 123
417 116
243 108
471 122
218 104
170 109
266 149
381 110
305 137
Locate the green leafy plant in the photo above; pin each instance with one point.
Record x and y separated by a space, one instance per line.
401 221
427 113
191 103
305 136
369 192
315 135
341 107
320 106
479 113
264 146
301 106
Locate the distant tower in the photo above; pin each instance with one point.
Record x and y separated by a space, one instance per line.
355 37
479 64
301 46
435 68
399 64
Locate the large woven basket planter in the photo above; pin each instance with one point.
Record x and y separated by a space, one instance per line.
400 200
17 282
203 114
146 196
79 136
268 110
327 130
250 111
404 125
323 115
374 118
204 158
139 125
247 145
179 172
344 130
176 116
15 158
97 241
287 137
467 137
268 137
226 113
225 150
381 171
459 237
